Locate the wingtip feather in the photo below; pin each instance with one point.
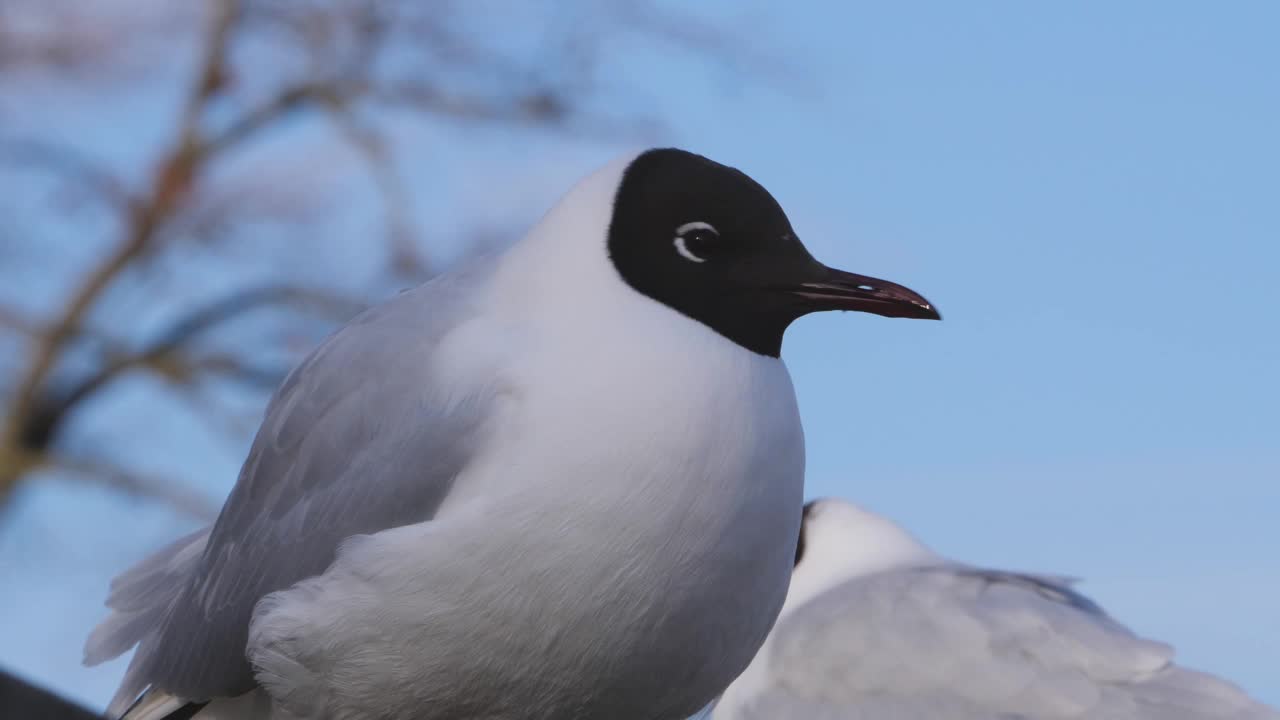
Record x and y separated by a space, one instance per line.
153 705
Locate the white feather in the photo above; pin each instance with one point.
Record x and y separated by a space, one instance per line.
878 627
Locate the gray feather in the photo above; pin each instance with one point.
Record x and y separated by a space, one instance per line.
1054 588
964 643
140 597
353 442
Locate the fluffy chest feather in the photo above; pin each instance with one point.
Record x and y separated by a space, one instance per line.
634 494
657 472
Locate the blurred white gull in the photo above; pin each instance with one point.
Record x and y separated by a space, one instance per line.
876 625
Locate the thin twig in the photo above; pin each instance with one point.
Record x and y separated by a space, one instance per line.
406 255
231 367
13 320
163 490
68 163
165 353
252 121
169 187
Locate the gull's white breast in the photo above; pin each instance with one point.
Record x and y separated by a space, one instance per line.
636 498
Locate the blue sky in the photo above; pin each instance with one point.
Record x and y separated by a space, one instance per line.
1088 191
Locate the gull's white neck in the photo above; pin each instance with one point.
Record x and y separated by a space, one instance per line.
564 260
561 283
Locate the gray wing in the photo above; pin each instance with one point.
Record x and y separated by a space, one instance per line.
953 642
353 442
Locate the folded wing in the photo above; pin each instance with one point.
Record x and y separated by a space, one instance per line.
953 642
355 441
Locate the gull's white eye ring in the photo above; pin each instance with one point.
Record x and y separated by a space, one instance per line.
685 229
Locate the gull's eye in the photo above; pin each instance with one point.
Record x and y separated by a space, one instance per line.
696 240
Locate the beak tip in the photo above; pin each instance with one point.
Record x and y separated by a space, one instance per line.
920 309
841 290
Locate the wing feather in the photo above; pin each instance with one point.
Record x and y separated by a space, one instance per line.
955 642
355 441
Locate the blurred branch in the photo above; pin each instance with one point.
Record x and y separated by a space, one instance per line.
697 35
334 91
162 490
281 105
171 183
406 257
229 366
165 491
166 354
256 66
74 46
528 107
542 108
67 163
11 319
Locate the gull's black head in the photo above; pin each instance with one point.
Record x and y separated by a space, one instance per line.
710 242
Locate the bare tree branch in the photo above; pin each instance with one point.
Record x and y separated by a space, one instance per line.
231 367
71 40
166 354
281 105
532 107
163 490
406 256
67 163
687 31
13 320
258 65
169 187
